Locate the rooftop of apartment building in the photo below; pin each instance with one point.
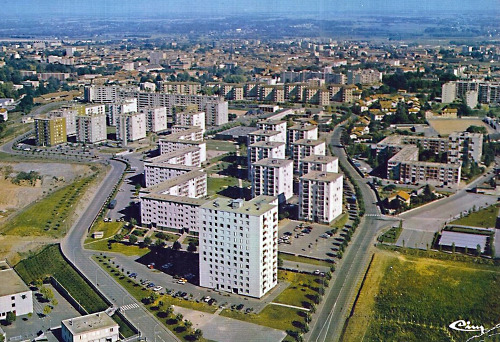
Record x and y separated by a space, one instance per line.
407 153
175 199
267 144
314 158
273 162
308 142
173 154
265 132
271 122
303 127
256 206
321 176
169 183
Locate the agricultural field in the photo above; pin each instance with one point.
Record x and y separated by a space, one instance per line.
484 218
445 127
50 262
410 298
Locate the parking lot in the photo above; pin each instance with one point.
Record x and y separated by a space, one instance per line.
27 328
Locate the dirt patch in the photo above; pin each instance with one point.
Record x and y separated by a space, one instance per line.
53 175
448 126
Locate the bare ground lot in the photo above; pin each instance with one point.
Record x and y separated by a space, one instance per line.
15 197
447 126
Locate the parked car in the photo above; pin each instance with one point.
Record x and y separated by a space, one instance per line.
133 275
157 288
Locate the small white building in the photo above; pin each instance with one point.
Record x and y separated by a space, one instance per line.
156 118
273 177
238 249
130 127
15 296
320 196
98 327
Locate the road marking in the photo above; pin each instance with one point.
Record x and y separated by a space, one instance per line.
129 307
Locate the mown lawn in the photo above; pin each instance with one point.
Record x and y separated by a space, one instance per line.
301 290
220 145
109 229
484 218
48 217
297 258
117 247
415 299
214 185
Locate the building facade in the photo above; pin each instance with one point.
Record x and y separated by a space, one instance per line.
98 327
238 245
50 130
273 177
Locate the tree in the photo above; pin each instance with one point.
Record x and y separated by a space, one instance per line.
198 334
147 241
10 318
54 302
179 317
188 324
47 310
478 250
176 246
47 293
169 310
192 247
132 239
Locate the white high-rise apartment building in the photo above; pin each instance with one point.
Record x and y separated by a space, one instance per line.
301 131
130 127
303 148
238 245
69 113
156 118
264 135
264 149
119 107
191 118
91 124
274 125
320 163
320 196
448 92
189 156
273 177
158 173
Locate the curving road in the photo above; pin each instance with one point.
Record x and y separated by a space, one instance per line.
333 311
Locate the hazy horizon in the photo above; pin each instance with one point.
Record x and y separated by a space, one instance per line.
44 9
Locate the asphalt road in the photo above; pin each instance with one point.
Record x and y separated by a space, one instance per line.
73 250
332 313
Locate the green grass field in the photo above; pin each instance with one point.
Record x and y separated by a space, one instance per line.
125 330
390 236
214 185
50 262
220 145
302 286
297 258
484 218
48 217
108 228
409 298
116 247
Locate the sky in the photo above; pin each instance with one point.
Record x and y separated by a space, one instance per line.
213 8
